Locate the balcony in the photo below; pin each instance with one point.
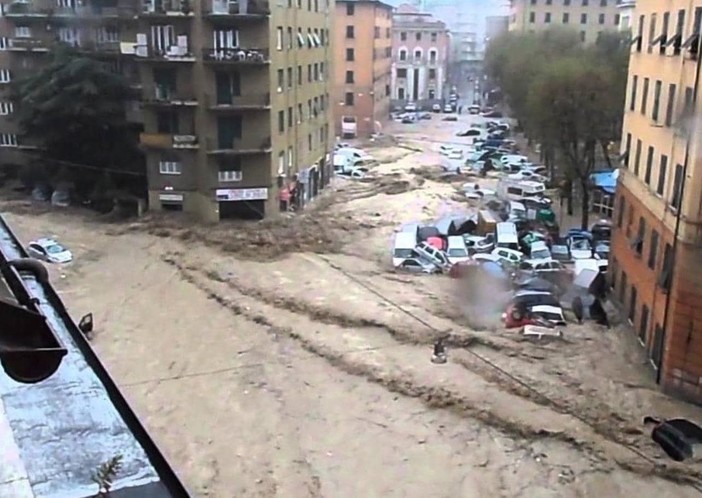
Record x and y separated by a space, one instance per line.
239 102
167 8
90 12
163 96
168 141
232 10
239 146
173 54
27 45
102 47
243 56
24 11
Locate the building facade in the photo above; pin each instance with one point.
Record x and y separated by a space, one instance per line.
235 100
626 14
588 17
363 48
657 241
420 53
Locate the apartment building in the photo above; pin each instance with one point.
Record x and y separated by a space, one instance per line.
420 49
363 47
626 14
656 259
588 17
235 94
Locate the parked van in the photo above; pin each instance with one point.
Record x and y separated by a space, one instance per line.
403 247
517 210
349 128
516 189
457 251
506 236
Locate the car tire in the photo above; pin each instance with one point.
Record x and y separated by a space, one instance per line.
517 315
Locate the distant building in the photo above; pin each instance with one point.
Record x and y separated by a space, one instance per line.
362 68
626 14
420 48
589 18
495 26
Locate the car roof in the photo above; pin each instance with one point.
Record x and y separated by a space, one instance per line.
527 292
46 241
545 308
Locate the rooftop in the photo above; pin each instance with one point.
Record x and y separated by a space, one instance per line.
61 415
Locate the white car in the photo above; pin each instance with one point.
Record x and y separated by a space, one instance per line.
514 159
491 258
456 154
411 107
445 150
580 248
433 255
509 255
436 108
480 244
356 173
49 250
553 314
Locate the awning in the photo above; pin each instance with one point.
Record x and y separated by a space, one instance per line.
605 180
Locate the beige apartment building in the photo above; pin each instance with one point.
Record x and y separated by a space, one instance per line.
588 17
235 94
656 259
363 48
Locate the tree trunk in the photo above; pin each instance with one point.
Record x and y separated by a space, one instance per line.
585 209
605 152
569 197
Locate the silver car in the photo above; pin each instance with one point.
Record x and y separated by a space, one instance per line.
418 265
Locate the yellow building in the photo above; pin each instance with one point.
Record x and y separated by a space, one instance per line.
588 17
656 262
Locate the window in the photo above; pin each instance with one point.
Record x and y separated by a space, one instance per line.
627 150
637 157
402 72
532 17
649 166
566 18
653 250
290 38
620 211
432 94
566 3
376 32
583 18
434 36
350 9
432 74
350 55
6 108
617 19
677 39
640 235
403 36
670 108
403 55
664 33
585 3
290 117
290 78
279 38
299 75
22 32
348 98
660 188
622 289
632 304
644 96
547 17
634 88
169 167
281 80
230 175
309 141
665 277
601 19
350 32
418 36
349 76
401 93
643 324
432 56
418 54
300 114
689 104
281 121
676 198
651 33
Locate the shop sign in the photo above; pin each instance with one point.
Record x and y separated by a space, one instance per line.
242 194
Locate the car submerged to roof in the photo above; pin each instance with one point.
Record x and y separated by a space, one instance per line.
49 250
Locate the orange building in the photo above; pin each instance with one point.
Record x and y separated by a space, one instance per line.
656 260
362 63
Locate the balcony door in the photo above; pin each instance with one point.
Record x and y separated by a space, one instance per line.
162 38
165 83
224 40
228 87
228 130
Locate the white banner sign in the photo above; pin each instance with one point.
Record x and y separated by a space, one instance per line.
242 194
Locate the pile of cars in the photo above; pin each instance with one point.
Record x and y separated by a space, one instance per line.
350 162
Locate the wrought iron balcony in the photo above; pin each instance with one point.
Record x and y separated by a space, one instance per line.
239 146
233 9
250 56
165 96
239 102
168 141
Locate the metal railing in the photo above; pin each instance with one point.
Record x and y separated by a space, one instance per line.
166 95
240 145
27 44
234 101
236 8
237 55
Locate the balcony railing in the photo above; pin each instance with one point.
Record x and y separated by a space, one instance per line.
169 96
239 146
37 10
168 141
170 8
239 102
236 55
174 54
240 8
24 9
31 44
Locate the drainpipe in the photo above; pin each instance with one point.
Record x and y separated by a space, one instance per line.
678 216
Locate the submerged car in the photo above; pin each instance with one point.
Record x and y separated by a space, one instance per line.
418 265
49 250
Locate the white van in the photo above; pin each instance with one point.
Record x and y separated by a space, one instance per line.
517 189
341 163
403 247
349 128
457 251
506 236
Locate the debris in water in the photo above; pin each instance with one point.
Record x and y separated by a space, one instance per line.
439 355
675 436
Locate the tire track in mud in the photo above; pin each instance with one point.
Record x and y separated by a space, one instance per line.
608 448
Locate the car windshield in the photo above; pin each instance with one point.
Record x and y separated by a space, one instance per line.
457 252
404 253
54 249
552 317
559 250
581 244
540 254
